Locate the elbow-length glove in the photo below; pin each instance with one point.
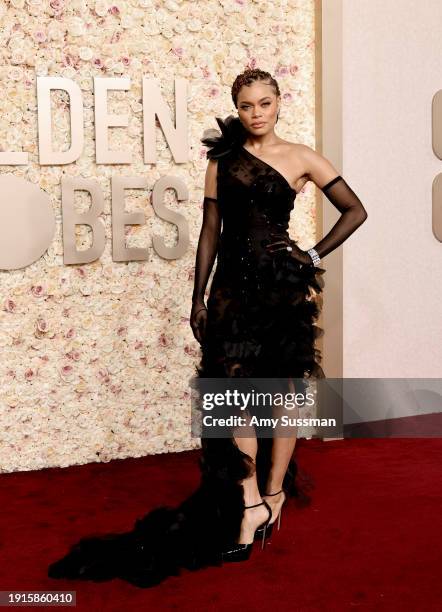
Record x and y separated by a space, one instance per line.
353 214
205 257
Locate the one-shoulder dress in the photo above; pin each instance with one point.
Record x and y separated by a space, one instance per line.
262 312
261 306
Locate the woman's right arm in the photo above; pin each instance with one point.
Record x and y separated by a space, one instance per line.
206 250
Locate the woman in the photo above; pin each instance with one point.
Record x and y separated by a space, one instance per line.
259 319
258 322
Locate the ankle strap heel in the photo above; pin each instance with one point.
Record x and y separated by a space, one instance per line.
272 494
262 529
280 511
255 505
241 552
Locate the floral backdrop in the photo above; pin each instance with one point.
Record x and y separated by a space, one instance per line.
96 358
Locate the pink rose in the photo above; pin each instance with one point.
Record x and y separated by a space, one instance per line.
9 306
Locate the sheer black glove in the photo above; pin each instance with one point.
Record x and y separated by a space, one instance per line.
198 320
280 243
353 214
205 257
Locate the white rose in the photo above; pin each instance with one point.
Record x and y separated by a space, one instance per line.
76 26
15 74
18 57
101 8
146 4
171 5
55 32
194 25
69 72
118 68
127 22
85 53
85 83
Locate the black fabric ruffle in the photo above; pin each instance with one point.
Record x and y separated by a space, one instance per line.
190 536
272 331
221 143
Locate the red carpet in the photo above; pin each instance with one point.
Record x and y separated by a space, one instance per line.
370 540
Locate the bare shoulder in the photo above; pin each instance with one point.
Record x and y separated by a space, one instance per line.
300 153
296 156
316 167
296 152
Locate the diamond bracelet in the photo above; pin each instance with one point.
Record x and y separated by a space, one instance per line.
315 257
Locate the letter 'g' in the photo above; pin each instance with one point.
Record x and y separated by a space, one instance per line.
27 222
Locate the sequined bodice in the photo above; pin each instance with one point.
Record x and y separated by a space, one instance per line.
255 199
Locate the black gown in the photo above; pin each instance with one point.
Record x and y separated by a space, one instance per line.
261 323
261 311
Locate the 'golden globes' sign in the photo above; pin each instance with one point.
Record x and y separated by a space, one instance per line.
27 223
437 150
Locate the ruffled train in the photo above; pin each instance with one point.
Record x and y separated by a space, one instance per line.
194 534
190 536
